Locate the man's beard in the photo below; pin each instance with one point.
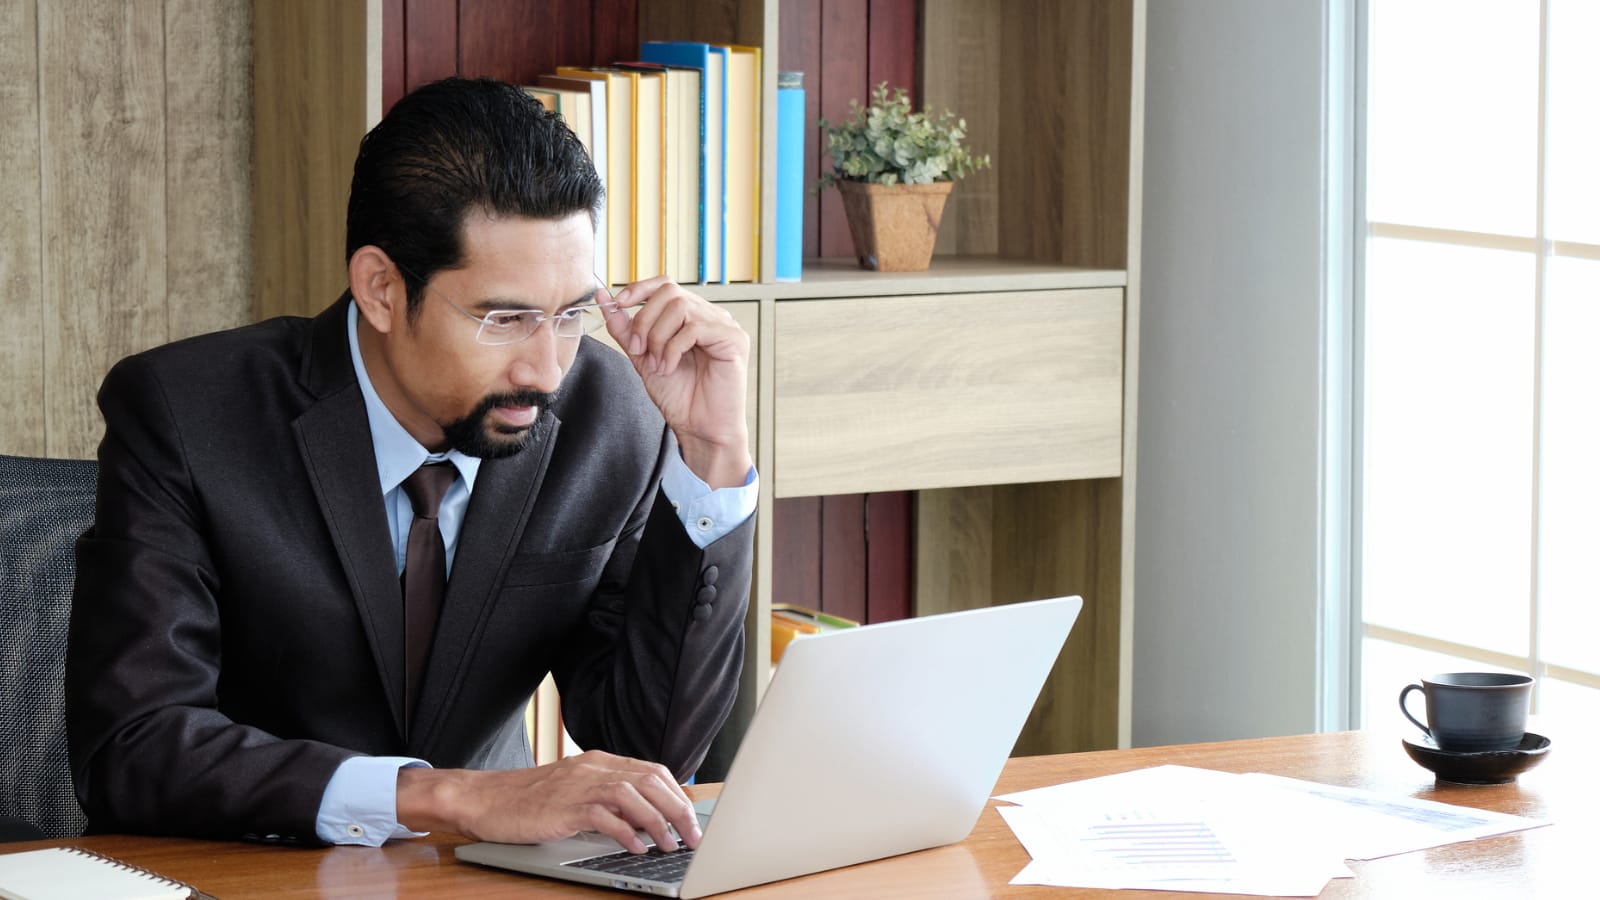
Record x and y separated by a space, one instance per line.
475 435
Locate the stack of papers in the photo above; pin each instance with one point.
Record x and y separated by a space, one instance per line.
1183 829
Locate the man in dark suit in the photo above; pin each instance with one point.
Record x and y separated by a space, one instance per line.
251 654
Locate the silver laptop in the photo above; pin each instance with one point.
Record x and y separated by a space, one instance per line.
870 742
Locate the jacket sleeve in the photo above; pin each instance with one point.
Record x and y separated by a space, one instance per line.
150 751
654 673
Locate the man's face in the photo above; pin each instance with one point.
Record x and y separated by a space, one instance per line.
447 389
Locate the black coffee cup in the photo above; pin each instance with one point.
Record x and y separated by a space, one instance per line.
1471 712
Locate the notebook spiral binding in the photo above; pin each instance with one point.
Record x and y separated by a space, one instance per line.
141 871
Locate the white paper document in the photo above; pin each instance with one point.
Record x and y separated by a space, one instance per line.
1184 829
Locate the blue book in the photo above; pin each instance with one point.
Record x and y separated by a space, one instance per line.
713 63
791 182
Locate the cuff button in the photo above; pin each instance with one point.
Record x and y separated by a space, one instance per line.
354 830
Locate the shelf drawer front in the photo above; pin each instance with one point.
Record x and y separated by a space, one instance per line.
905 393
748 315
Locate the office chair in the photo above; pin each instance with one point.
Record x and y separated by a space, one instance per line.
45 504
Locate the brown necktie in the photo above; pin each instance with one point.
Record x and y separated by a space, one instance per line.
422 582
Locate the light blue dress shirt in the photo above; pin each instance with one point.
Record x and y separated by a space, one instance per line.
358 805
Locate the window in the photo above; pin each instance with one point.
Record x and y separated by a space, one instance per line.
1480 507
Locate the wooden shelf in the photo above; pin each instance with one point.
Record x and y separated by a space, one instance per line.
843 278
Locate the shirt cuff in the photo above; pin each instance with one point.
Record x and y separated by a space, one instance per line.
707 514
358 805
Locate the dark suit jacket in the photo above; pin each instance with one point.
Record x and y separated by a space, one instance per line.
236 627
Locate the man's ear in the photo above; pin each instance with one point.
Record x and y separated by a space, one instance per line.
378 288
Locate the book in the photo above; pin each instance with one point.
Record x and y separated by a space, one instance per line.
790 622
683 126
597 153
789 217
649 171
712 63
72 873
619 166
744 163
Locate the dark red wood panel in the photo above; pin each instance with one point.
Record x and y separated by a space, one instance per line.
844 556
843 78
518 40
394 52
430 37
800 38
889 563
615 35
797 551
892 45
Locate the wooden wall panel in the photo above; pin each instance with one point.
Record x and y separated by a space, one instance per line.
311 91
432 45
800 50
797 551
209 254
961 53
102 148
843 78
1063 164
889 559
844 556
713 21
892 45
22 366
394 52
615 31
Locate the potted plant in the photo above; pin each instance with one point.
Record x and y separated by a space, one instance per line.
894 169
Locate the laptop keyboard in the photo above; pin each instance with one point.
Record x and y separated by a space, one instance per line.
654 865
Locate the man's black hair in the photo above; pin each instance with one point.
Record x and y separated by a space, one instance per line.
455 147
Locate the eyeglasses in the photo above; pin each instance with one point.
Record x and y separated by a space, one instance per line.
510 326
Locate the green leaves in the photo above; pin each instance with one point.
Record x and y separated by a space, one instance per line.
887 143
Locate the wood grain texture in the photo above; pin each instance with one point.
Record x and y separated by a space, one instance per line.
1052 540
843 78
22 301
394 52
892 45
102 150
432 41
962 71
311 90
711 21
844 556
518 42
800 39
797 551
889 557
1543 862
918 398
208 109
954 549
1064 131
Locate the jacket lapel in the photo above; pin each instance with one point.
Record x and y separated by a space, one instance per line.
336 446
502 502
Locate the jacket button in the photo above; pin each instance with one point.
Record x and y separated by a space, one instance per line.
706 595
709 576
701 612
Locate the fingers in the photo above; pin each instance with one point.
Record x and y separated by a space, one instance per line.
668 324
629 795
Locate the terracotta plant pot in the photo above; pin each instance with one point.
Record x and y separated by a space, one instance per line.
894 225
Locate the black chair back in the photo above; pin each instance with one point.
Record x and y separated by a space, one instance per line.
45 504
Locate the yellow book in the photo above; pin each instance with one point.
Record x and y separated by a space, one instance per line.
619 166
596 145
744 162
649 173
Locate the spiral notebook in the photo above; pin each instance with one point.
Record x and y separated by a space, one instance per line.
71 873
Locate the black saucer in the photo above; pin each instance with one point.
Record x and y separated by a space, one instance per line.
1485 767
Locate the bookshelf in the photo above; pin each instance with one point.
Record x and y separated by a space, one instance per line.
1000 385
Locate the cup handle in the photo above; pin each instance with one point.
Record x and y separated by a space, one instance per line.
1407 713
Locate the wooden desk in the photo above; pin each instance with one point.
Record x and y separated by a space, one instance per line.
1548 861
